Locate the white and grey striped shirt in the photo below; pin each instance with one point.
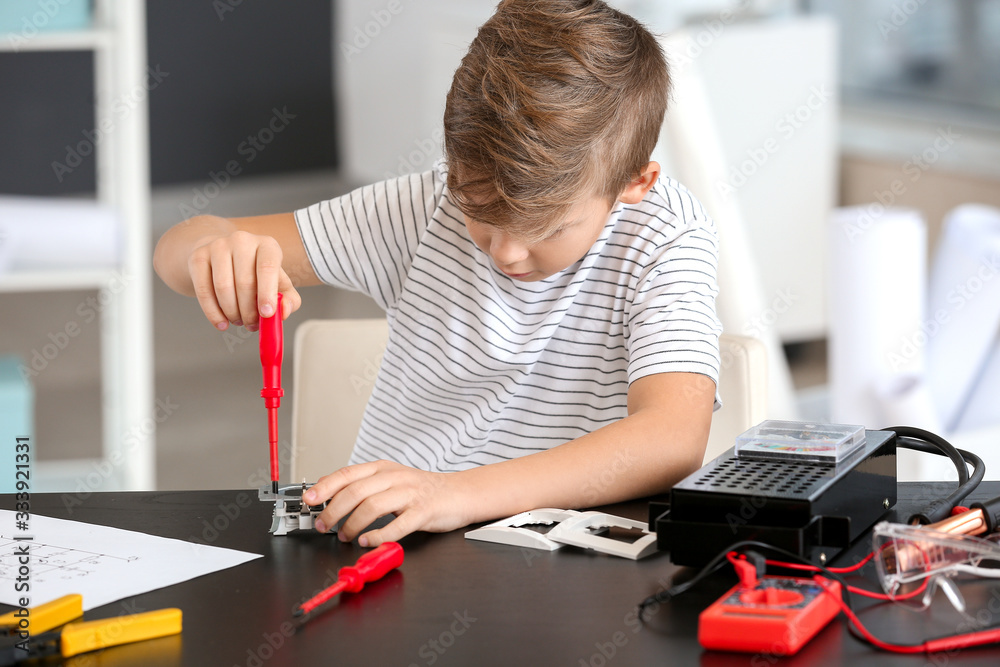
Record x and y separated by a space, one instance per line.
480 367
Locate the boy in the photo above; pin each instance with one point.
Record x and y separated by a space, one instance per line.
553 339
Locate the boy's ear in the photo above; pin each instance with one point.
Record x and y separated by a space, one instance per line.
635 191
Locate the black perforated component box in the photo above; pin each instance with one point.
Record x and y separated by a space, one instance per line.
812 509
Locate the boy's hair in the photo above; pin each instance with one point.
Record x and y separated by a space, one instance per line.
556 101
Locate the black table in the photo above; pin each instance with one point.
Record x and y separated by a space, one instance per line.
454 601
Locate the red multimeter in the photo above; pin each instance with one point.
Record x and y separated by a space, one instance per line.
778 615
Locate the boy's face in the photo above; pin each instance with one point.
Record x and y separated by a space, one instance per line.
566 243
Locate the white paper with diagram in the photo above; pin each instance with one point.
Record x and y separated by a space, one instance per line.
100 563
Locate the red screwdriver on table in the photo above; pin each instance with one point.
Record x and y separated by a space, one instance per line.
271 350
372 566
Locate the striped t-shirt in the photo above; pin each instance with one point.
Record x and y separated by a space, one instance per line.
481 368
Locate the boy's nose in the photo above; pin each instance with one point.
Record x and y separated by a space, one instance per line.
507 251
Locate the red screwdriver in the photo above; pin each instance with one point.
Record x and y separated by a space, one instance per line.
372 566
271 350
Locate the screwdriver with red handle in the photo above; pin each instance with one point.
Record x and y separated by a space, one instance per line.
372 566
271 351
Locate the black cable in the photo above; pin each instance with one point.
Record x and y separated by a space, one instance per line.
909 437
991 513
665 596
978 472
925 441
939 509
935 444
720 559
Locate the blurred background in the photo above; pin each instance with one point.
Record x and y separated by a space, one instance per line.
849 152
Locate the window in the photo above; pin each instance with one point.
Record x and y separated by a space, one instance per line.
931 57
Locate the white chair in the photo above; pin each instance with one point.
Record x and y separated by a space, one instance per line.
336 362
335 365
742 388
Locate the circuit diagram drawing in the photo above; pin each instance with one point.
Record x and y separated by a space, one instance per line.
101 563
51 563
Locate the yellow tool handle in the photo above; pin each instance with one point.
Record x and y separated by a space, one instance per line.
46 616
92 635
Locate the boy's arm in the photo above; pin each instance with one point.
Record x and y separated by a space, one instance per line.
661 441
235 266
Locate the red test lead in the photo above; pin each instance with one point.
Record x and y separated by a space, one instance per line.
271 350
372 566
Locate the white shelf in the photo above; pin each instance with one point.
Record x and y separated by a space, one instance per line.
896 134
65 40
56 279
118 43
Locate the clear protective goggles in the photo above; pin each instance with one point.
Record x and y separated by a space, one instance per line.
911 558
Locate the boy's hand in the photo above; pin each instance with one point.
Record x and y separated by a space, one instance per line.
239 275
421 500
